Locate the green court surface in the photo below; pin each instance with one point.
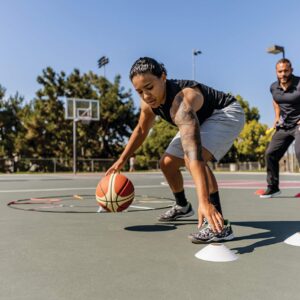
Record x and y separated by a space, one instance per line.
79 254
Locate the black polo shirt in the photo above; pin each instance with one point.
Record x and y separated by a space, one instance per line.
288 101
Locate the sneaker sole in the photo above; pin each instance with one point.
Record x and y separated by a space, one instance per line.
191 213
214 239
270 196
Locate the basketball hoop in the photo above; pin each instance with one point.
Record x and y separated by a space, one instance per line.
86 120
82 109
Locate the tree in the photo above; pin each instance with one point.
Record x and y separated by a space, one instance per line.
11 126
251 113
252 142
49 134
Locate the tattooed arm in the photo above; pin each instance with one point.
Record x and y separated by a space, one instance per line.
183 113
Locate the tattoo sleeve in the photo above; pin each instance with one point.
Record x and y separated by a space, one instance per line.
186 120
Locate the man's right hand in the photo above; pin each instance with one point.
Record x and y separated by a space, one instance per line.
276 124
116 167
213 217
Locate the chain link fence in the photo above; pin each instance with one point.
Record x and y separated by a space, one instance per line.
53 165
288 163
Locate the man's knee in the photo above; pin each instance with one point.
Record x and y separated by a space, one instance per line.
170 163
164 162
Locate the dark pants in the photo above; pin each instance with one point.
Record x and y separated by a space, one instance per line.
280 142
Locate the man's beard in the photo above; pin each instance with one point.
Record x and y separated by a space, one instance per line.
287 79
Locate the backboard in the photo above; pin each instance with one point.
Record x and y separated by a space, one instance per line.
82 109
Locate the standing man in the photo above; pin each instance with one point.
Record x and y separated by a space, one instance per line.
208 121
286 102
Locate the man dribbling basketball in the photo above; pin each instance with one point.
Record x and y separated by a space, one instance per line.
208 122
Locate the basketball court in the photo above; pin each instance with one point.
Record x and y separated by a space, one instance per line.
54 244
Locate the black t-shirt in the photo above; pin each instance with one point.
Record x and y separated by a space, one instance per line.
213 99
288 101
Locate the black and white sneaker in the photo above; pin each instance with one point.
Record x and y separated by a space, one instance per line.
271 192
177 212
206 235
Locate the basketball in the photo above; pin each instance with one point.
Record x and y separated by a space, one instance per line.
115 192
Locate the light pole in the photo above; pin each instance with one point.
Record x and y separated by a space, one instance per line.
195 53
102 61
275 49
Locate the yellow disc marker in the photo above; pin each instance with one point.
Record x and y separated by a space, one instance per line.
270 131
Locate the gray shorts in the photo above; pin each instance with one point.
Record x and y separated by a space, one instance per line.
218 132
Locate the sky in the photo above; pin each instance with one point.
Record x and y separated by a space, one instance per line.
232 35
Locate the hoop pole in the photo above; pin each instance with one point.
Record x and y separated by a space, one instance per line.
74 138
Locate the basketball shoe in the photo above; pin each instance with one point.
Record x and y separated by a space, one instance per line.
271 192
177 212
206 235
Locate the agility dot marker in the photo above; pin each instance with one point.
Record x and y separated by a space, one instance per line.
259 192
297 195
216 252
293 240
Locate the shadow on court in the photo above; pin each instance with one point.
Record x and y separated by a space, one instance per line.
151 228
277 232
166 226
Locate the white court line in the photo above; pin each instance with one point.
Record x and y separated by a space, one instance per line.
140 207
69 189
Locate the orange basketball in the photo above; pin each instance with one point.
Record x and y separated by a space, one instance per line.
114 192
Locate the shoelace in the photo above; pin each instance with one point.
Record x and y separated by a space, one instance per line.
172 211
204 233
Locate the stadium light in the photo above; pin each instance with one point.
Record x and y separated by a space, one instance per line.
102 62
195 53
275 49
